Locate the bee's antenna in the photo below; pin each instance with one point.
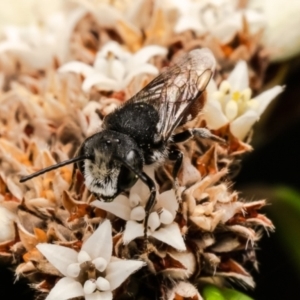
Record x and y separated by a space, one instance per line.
53 167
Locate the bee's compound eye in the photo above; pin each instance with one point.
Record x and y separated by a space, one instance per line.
131 156
134 159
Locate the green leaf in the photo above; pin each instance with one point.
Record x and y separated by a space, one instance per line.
285 210
212 292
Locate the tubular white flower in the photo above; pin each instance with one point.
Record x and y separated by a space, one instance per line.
114 67
222 19
232 104
97 247
280 37
161 223
36 46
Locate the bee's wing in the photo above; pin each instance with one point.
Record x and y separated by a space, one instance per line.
176 89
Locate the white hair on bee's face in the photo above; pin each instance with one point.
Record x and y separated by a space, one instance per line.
100 180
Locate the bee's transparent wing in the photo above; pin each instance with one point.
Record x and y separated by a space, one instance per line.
174 91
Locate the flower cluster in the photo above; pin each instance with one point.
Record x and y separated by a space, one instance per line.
59 79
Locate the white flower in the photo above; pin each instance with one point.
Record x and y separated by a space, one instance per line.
232 103
38 45
92 272
114 67
161 223
27 11
221 18
281 36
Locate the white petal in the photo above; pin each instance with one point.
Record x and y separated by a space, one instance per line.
118 271
134 199
116 70
66 288
101 65
224 89
13 46
77 67
138 213
168 201
225 31
73 270
143 55
279 34
83 256
141 189
115 48
60 257
99 244
119 207
266 97
186 23
242 125
101 81
89 287
166 217
103 284
170 235
239 78
231 110
132 231
100 263
138 70
256 20
211 87
99 296
153 221
214 115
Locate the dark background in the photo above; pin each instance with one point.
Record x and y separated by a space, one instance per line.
275 162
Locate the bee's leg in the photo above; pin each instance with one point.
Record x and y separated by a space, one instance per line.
202 133
176 155
150 202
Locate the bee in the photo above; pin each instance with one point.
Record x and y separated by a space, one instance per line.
141 131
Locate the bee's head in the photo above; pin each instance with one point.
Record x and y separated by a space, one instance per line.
114 160
110 162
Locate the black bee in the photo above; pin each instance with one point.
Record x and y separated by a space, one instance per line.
141 131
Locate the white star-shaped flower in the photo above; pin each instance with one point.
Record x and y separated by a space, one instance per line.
91 273
232 103
36 46
161 223
114 67
220 18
